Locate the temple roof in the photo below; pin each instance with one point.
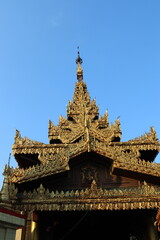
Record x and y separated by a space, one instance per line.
83 130
86 137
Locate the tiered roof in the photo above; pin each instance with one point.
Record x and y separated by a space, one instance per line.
80 132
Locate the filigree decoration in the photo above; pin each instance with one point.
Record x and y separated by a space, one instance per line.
18 140
87 205
93 198
17 137
131 163
82 113
57 164
59 158
12 192
103 121
94 192
151 136
89 173
40 191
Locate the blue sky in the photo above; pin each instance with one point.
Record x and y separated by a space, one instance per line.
120 46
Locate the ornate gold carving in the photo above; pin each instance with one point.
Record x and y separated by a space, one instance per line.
59 156
129 162
12 192
18 140
94 192
51 162
150 137
93 198
83 114
20 175
89 173
88 206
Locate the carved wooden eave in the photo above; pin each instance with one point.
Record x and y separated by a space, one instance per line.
93 198
20 175
56 159
147 137
145 142
140 168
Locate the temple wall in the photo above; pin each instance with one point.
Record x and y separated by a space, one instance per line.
9 223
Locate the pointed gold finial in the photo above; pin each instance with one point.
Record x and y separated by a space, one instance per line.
79 61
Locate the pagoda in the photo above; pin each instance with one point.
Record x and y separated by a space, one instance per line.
86 183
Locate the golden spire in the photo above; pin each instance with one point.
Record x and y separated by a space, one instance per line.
79 61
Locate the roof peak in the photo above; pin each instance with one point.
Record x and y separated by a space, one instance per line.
79 61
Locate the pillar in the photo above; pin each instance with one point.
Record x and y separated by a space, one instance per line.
28 226
34 227
151 229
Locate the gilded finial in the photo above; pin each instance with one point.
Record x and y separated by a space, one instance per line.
79 61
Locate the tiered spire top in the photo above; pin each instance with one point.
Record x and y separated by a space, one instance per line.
83 120
79 61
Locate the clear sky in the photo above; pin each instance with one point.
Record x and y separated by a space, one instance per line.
120 45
